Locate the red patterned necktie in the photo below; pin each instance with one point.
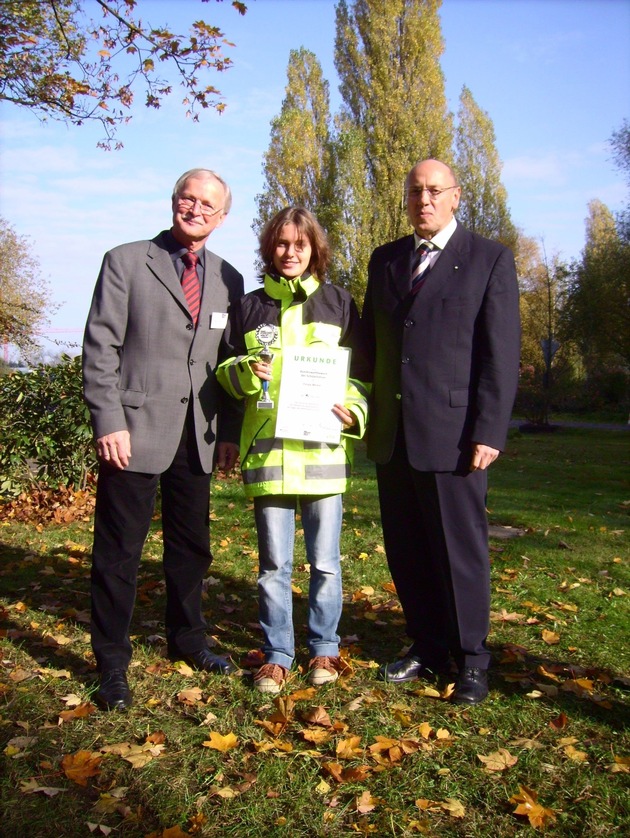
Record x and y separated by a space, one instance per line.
190 285
420 265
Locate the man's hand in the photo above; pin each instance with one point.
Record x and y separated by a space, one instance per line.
114 449
227 454
482 456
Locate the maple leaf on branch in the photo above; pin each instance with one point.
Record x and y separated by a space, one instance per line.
61 67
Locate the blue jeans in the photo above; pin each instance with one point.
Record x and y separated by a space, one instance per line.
275 522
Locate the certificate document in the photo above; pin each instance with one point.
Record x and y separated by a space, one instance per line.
313 381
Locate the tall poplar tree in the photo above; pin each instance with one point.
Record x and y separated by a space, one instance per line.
394 113
483 207
296 165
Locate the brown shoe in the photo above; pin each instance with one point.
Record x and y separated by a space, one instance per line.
323 670
270 678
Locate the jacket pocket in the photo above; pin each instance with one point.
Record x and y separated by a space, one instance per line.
459 398
132 398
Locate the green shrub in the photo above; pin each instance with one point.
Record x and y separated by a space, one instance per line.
45 434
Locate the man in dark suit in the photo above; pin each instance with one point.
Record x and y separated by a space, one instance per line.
442 322
152 343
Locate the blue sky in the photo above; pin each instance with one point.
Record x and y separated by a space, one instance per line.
554 76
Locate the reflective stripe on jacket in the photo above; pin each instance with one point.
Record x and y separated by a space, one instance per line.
305 313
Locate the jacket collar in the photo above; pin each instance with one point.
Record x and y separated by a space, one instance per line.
299 289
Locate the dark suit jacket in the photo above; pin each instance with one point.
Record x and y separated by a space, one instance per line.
446 359
143 361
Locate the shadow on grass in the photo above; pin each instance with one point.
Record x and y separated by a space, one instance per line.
59 590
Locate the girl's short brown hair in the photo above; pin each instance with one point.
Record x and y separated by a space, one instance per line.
308 227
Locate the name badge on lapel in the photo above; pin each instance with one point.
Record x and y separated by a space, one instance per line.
218 320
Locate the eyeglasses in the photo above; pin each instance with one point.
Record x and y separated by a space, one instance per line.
434 192
187 203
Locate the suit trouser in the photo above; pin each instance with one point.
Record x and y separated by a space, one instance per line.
435 531
125 502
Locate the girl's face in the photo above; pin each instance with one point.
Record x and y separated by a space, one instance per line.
292 255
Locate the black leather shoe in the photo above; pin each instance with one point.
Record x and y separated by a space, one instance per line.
408 669
113 692
205 661
471 686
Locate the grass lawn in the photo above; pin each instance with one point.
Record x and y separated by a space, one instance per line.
208 756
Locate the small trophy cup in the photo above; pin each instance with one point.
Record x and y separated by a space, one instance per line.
266 334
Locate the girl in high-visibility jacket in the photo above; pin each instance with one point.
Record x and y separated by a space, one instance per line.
295 308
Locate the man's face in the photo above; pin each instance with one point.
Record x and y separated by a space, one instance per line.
428 211
197 211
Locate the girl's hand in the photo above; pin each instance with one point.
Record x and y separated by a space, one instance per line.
347 418
262 370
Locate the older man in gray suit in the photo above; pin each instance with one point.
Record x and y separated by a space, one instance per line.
152 343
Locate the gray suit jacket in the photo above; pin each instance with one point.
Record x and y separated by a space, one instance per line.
143 362
445 360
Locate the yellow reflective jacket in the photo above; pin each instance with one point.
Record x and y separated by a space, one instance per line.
306 313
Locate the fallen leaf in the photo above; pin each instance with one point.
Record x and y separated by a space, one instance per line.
227 792
218 742
621 764
527 805
366 803
498 760
32 787
19 675
21 742
426 805
301 695
505 617
335 770
524 742
82 711
550 637
349 748
104 830
190 697
111 801
184 669
575 755
71 700
317 736
318 716
355 704
356 774
82 765
454 807
560 722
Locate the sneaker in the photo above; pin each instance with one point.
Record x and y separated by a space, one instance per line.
270 678
323 670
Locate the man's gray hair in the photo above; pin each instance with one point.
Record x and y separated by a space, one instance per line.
208 174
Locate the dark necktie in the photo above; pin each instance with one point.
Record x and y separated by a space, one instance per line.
190 285
420 265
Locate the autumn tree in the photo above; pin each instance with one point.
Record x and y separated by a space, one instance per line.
483 208
620 145
597 313
297 164
548 363
394 113
60 64
24 296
